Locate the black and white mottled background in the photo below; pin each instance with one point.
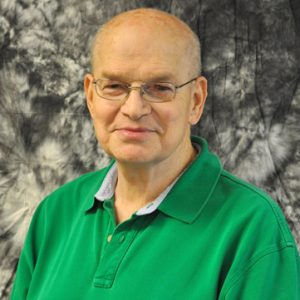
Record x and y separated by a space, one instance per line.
251 57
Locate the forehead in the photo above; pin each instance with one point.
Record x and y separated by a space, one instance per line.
140 52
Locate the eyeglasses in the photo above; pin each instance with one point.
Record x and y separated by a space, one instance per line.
150 91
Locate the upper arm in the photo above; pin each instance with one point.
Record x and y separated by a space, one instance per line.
274 275
29 254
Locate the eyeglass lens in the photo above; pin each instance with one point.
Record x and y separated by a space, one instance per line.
153 91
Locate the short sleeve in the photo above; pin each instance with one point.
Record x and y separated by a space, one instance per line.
274 275
29 255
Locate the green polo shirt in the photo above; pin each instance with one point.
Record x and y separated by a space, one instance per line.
213 237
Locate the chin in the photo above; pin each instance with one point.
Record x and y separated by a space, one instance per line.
133 158
140 153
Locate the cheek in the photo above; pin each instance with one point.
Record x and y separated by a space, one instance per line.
175 119
103 120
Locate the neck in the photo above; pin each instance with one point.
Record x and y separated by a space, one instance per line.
140 184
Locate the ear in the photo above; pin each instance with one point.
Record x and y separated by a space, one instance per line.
89 93
199 94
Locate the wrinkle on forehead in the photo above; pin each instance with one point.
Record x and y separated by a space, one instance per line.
158 22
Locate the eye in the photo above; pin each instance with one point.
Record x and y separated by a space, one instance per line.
158 88
113 87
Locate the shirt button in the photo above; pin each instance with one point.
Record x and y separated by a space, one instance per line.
122 239
109 238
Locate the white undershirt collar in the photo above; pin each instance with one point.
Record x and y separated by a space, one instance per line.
107 189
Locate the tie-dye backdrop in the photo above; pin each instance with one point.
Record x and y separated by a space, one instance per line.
251 57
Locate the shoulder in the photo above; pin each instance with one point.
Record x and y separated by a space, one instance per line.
56 213
253 209
258 242
74 194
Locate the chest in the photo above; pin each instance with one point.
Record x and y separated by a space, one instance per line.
144 258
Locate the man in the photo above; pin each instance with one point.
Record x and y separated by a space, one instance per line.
164 220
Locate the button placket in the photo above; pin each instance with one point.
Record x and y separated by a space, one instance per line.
118 244
116 250
122 238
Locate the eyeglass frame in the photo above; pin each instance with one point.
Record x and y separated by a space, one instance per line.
140 88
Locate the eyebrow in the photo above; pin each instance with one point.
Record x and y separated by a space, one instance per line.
159 77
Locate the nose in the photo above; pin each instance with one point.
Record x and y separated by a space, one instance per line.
135 107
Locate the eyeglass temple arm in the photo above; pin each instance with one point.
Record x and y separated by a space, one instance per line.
179 86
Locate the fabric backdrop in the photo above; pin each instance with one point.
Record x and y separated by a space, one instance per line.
251 58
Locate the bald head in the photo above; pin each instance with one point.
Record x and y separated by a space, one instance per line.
154 24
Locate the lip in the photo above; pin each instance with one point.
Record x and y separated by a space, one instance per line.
135 129
136 133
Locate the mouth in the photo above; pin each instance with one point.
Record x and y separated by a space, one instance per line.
135 133
136 129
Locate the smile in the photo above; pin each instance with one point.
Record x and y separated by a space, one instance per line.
136 133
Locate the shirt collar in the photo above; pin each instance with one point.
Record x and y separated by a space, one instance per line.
90 197
107 187
107 190
184 199
190 194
